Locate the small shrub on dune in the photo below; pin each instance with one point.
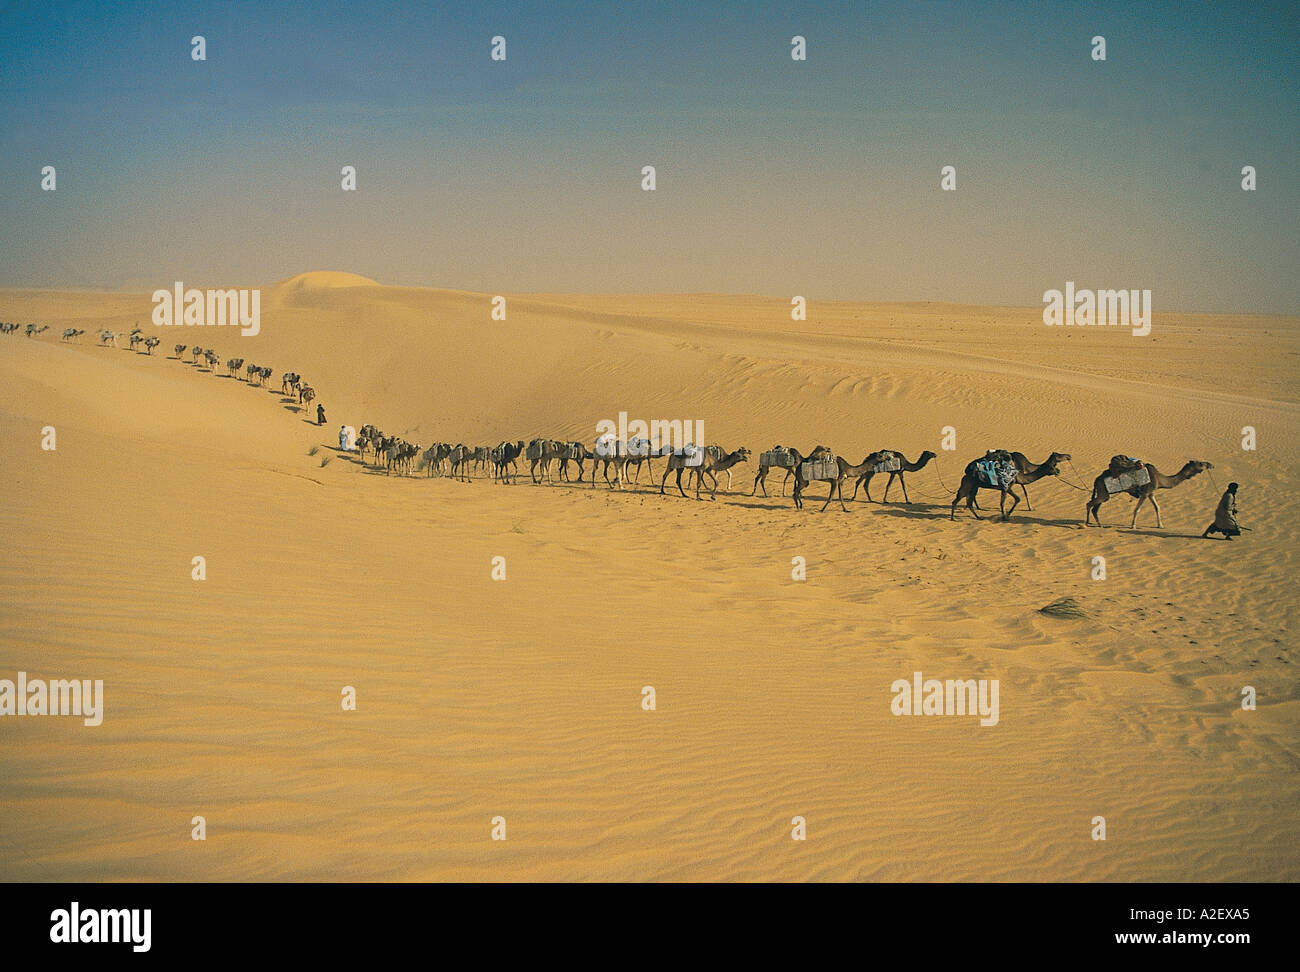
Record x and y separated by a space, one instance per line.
1065 607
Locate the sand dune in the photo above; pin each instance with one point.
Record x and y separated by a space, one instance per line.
521 698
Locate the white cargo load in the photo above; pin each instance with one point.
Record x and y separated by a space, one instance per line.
820 470
1125 481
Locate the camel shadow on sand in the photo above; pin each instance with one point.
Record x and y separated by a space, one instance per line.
762 506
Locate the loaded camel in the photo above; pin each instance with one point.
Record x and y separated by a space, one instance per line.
971 484
1193 467
434 456
761 478
576 452
1023 466
713 457
151 343
504 456
846 471
715 460
610 452
547 451
903 467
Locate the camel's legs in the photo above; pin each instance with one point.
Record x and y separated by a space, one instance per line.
1159 525
679 484
1014 501
1026 492
1141 500
969 496
902 481
788 473
836 487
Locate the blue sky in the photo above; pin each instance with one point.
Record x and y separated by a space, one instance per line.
778 177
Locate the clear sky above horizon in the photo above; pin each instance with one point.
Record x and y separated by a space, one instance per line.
818 178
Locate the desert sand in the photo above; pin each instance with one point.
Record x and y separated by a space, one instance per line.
522 698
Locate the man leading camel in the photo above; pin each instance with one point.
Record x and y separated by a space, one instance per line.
1225 516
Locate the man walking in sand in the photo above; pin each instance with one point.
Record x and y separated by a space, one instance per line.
320 414
1225 516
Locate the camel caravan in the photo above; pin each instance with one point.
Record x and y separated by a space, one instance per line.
618 462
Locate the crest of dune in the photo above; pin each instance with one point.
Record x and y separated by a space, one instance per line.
324 280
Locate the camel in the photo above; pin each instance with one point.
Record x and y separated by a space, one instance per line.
459 458
1193 467
306 394
31 329
406 453
6 328
434 456
608 451
150 344
289 383
1023 466
71 334
800 483
716 460
212 359
505 455
397 454
560 453
846 471
368 436
971 484
136 338
798 460
903 467
574 452
676 462
107 338
233 366
541 452
715 454
196 352
180 350
638 452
